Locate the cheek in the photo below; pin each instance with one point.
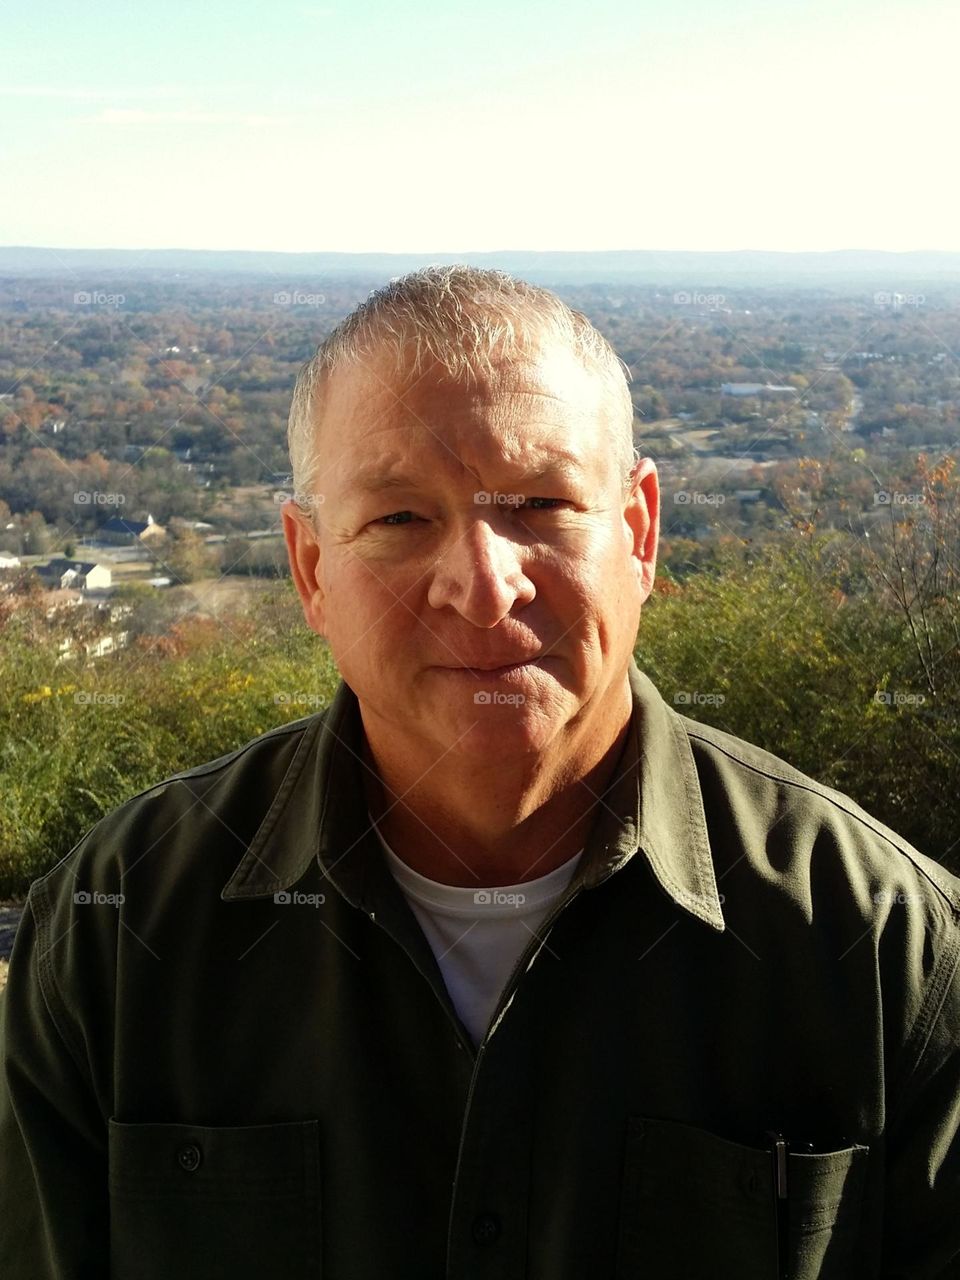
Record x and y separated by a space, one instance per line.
367 610
596 594
590 569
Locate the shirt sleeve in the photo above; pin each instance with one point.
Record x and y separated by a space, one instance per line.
922 1199
54 1210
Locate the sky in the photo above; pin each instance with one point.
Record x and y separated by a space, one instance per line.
384 126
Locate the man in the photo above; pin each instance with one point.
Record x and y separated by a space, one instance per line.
440 982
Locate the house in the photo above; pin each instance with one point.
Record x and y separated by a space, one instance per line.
81 575
127 533
97 648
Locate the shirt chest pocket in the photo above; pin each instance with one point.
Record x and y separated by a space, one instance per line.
697 1206
214 1201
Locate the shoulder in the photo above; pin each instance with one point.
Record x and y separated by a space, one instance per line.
771 802
201 815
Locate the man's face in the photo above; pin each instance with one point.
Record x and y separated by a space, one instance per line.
475 567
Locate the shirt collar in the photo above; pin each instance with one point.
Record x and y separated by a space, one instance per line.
652 805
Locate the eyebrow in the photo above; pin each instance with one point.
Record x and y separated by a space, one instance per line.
373 480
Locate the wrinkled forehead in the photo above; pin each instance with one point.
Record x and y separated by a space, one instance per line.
541 398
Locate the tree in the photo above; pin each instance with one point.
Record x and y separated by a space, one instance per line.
184 556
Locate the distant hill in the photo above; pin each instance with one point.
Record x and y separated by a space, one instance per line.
627 266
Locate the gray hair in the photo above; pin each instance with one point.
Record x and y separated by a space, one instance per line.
460 316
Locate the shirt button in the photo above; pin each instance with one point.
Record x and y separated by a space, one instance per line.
486 1228
189 1157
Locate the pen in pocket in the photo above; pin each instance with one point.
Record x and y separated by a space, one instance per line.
779 1148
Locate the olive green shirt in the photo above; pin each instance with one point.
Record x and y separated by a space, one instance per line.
227 1049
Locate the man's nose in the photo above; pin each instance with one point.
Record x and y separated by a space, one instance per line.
480 574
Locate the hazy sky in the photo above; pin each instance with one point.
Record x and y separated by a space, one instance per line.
507 124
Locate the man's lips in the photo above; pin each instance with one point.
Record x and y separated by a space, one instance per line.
485 668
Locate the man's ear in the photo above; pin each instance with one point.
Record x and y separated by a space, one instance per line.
642 518
303 552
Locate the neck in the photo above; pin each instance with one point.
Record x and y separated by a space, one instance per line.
483 824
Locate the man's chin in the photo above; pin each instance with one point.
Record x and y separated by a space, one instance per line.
497 724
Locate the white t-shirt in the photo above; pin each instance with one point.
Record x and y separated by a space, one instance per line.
478 935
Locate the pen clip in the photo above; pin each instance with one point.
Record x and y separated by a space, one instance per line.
780 1147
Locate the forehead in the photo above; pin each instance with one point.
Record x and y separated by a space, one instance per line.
544 407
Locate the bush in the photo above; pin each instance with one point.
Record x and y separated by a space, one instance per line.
78 737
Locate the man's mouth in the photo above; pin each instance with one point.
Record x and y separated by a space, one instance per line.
493 669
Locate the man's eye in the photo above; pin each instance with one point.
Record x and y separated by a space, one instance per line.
529 500
395 518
